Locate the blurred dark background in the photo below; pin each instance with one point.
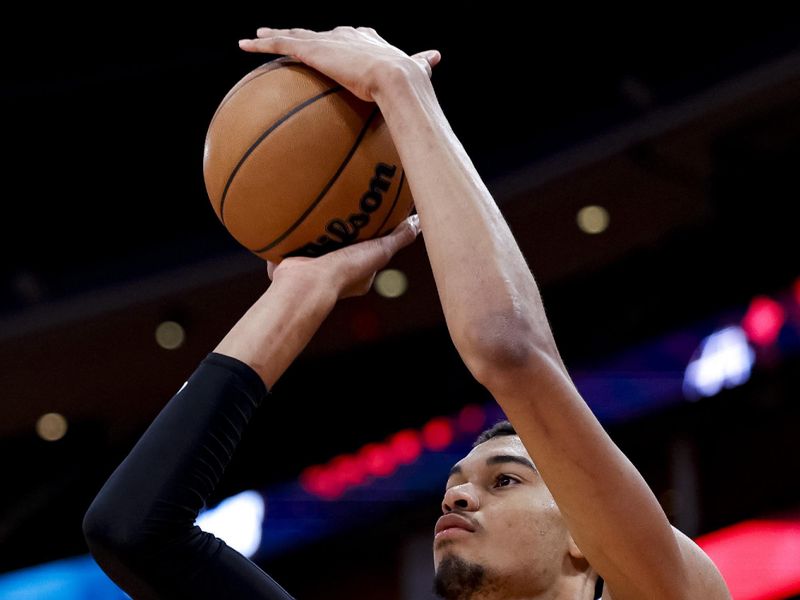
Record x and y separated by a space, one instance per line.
686 131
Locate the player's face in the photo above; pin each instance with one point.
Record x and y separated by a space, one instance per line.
517 533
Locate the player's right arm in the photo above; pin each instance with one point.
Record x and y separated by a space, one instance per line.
141 528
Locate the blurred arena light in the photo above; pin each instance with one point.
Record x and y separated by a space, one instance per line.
593 219
391 283
236 520
437 433
170 335
724 359
763 320
51 427
759 559
69 579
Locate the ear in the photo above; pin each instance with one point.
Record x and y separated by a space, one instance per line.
574 551
577 558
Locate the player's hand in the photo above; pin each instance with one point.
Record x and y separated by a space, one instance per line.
351 270
357 58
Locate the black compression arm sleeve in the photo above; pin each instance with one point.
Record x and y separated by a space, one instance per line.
140 527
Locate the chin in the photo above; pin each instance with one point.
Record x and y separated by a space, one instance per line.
457 577
447 552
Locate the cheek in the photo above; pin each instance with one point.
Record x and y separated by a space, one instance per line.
530 528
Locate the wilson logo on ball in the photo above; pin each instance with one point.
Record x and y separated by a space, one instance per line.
343 232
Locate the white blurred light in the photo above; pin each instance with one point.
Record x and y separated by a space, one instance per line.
593 219
391 283
170 335
725 360
236 520
51 427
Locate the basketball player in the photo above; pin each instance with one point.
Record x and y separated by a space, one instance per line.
548 509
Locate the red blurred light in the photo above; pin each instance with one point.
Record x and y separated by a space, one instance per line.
471 418
378 459
321 482
405 446
758 559
437 434
763 320
348 469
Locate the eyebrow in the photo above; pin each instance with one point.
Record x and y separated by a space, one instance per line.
499 459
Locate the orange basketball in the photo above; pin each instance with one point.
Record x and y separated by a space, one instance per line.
296 165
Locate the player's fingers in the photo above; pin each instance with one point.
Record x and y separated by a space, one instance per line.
402 235
295 32
276 44
428 60
270 269
371 255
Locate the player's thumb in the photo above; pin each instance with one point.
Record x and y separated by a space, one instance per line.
428 59
401 236
388 245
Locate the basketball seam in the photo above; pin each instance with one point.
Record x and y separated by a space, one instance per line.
261 138
266 68
394 204
327 187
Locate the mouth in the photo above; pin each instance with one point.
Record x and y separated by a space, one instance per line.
452 525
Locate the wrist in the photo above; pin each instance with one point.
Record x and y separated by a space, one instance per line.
305 289
276 328
400 83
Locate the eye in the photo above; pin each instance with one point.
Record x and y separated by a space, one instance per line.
505 480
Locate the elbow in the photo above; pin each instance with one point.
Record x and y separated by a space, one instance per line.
97 535
98 528
106 529
503 345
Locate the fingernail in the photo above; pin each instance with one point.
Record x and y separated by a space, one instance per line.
262 30
414 220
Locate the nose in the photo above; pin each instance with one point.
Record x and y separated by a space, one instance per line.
460 497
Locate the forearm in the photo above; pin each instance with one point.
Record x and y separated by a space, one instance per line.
273 332
488 294
141 527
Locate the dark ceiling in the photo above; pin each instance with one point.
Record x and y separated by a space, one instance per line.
687 131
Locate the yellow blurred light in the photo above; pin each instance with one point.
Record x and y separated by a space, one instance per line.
51 427
391 283
593 219
170 335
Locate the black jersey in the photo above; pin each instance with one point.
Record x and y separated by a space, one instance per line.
598 588
141 526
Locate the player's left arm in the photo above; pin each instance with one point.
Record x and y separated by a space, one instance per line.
497 322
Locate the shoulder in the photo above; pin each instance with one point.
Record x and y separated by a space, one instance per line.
703 578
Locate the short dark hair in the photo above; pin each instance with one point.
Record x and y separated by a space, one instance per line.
500 428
